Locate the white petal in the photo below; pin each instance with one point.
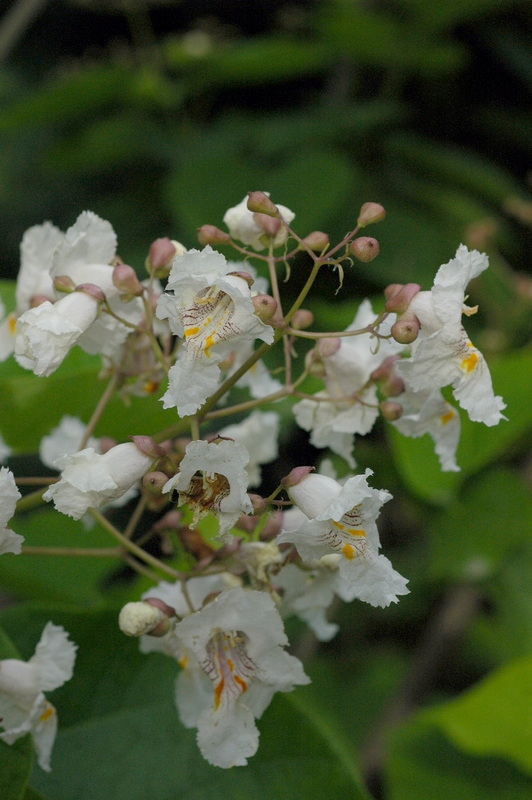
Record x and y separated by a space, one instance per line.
54 657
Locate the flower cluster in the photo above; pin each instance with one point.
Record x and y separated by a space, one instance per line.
252 558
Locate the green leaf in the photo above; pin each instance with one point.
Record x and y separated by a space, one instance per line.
119 735
479 445
473 536
422 764
494 717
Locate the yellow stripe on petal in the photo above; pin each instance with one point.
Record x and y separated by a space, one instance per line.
468 364
209 341
348 551
12 323
46 714
445 418
191 331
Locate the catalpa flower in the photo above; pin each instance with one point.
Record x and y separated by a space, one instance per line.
221 489
443 355
33 281
89 480
23 706
211 310
258 433
341 519
9 494
347 406
237 640
244 227
65 439
307 593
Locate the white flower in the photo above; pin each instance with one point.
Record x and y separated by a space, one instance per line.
9 494
89 480
33 280
342 520
335 418
65 439
258 433
443 355
222 487
212 312
243 225
308 593
23 706
429 412
238 641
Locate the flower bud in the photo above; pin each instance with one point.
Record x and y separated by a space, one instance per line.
193 543
272 527
154 481
245 277
259 202
383 372
399 296
365 248
92 290
328 346
317 241
126 281
370 213
391 411
137 619
210 234
148 447
62 283
295 476
303 318
258 503
38 299
265 306
161 254
270 225
406 329
392 387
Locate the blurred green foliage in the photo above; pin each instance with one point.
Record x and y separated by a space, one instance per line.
160 127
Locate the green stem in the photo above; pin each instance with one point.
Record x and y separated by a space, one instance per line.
98 411
30 501
92 552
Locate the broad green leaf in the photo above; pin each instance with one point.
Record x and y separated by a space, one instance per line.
475 533
16 760
512 378
119 735
421 764
494 718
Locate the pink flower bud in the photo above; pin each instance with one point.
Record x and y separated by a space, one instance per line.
383 372
272 526
265 306
92 290
161 254
399 300
154 481
391 411
327 347
161 605
126 281
317 241
260 202
62 283
258 503
245 277
295 476
365 248
210 234
392 387
370 213
38 299
270 225
146 445
406 329
303 318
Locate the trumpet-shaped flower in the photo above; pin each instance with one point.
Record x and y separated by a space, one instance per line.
258 433
347 406
23 706
243 226
442 354
237 640
211 310
9 494
65 439
341 519
221 488
89 480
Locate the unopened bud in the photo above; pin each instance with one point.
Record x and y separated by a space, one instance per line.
370 213
303 318
154 481
270 225
272 527
193 543
147 446
365 248
258 503
383 372
92 290
210 234
295 476
391 411
161 254
392 387
126 281
137 619
317 241
399 296
62 283
328 346
39 299
245 277
265 306
406 329
259 202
